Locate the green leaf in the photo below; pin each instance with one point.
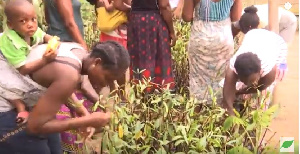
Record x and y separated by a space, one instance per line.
251 126
193 152
178 142
287 144
166 109
161 150
158 122
228 123
255 116
239 150
272 110
201 144
138 127
175 138
96 106
146 150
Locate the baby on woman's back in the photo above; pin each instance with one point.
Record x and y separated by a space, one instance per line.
17 41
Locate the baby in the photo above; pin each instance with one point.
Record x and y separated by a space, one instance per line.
16 43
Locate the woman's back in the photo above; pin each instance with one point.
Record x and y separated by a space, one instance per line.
56 24
144 5
270 48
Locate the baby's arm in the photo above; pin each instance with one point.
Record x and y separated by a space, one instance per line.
21 109
32 66
19 104
47 37
108 6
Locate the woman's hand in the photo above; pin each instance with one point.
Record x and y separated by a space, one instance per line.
100 119
86 133
173 39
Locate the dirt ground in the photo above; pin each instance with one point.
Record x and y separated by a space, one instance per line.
286 124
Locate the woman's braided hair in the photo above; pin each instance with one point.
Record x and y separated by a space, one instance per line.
113 55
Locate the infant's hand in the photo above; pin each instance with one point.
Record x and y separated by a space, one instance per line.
22 117
49 56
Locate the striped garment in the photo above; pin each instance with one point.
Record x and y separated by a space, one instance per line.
214 11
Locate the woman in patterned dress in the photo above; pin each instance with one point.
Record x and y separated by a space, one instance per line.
211 42
150 35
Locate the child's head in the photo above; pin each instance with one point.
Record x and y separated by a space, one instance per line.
21 17
249 20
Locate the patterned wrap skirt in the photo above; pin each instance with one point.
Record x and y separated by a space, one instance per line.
149 48
210 47
69 138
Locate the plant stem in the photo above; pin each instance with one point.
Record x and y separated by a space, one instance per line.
263 137
249 136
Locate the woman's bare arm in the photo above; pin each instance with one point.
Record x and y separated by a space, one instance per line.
236 10
120 5
88 90
188 10
42 118
65 10
235 28
166 12
229 90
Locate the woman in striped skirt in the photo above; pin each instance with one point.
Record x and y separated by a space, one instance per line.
211 42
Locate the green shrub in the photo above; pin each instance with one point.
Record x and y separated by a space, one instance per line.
163 122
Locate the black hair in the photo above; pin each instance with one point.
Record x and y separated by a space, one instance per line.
113 55
92 2
249 20
247 64
10 5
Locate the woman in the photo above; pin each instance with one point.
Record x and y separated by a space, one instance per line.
256 16
259 63
150 37
106 63
211 42
64 19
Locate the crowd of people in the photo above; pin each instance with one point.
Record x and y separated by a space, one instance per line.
46 86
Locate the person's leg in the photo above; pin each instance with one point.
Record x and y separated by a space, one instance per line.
287 25
15 139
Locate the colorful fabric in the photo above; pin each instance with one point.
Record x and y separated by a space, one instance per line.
117 35
15 49
214 11
68 138
210 47
109 21
149 47
270 48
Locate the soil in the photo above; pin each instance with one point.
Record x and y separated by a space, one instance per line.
286 124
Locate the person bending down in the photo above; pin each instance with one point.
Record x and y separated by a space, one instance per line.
256 16
258 64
